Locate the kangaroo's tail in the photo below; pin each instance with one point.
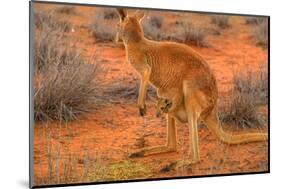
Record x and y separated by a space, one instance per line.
213 124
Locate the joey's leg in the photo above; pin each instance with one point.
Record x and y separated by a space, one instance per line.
170 146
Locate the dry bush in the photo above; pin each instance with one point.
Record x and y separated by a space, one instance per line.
259 26
253 20
110 13
65 85
182 32
64 165
192 35
50 48
221 21
44 20
119 91
248 94
152 28
260 33
103 28
66 10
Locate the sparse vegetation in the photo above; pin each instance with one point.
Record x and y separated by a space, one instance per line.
65 84
193 35
182 32
66 166
67 9
249 92
102 28
260 33
126 170
44 20
254 20
259 29
221 21
152 28
110 13
119 91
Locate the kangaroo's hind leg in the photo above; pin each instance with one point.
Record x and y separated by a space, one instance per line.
193 110
170 146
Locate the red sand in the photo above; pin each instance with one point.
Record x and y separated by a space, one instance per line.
113 131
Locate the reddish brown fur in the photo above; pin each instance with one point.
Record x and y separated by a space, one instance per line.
180 75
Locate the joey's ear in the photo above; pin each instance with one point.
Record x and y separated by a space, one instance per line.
122 13
139 14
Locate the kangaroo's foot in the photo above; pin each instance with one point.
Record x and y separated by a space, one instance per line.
142 110
179 164
152 151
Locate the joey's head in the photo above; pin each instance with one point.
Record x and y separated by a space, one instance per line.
129 28
163 106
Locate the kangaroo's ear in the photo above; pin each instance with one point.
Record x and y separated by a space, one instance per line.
140 15
122 13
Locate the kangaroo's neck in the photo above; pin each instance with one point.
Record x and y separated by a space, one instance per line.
134 42
135 50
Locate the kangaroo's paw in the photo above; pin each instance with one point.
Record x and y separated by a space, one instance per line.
142 110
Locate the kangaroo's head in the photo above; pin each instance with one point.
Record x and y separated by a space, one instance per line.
163 106
129 27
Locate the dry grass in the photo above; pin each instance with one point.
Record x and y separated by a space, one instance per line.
118 91
103 27
253 20
221 21
192 35
65 84
66 9
260 33
66 166
45 20
183 32
259 26
110 13
248 94
152 28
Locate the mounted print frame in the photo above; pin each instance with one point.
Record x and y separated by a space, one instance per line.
127 94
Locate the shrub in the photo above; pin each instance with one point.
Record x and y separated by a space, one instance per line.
253 20
260 33
247 95
65 85
118 91
109 13
152 28
193 35
182 32
221 21
47 20
259 29
102 29
66 10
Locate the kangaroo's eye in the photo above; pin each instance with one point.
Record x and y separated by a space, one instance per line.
162 108
166 101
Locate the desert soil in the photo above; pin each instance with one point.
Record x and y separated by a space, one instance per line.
110 133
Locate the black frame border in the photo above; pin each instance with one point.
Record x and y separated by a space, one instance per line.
31 119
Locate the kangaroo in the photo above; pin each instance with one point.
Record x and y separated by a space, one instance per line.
181 75
163 106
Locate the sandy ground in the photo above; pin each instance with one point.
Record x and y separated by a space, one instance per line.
109 134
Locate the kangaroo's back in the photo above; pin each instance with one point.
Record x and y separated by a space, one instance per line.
173 64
